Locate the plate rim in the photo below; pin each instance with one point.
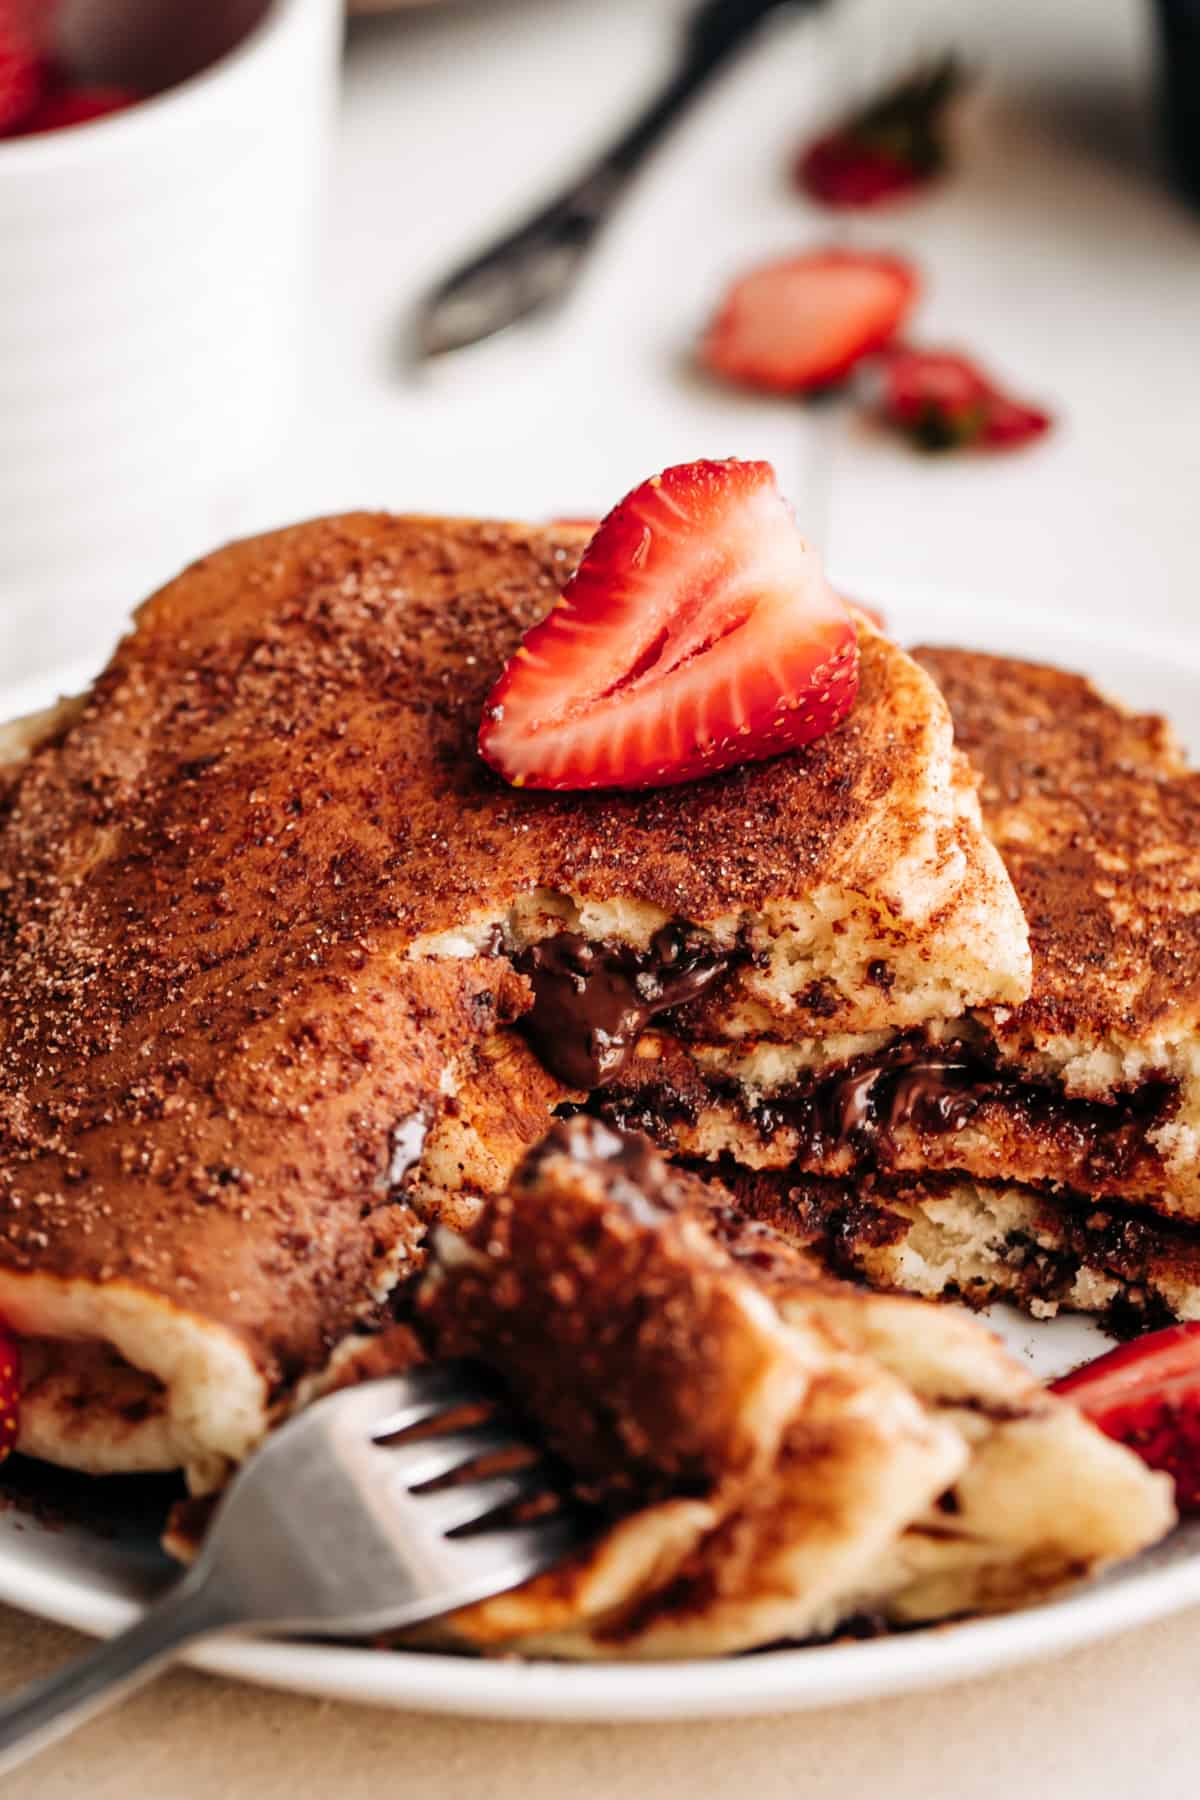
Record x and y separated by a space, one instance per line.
773 1681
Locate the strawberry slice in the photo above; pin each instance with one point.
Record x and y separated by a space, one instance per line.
891 148
804 323
943 401
698 632
10 1392
1147 1395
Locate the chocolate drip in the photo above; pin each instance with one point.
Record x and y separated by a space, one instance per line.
592 1001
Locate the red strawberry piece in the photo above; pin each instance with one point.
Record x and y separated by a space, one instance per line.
943 401
805 323
1147 1395
889 149
841 172
76 105
1011 422
23 73
697 633
10 1393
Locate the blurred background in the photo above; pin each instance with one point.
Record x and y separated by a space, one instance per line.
207 299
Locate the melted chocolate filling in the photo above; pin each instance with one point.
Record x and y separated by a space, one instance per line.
592 1001
935 1090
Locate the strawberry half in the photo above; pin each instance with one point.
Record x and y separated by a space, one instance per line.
10 1393
1147 1395
943 401
698 632
889 149
805 323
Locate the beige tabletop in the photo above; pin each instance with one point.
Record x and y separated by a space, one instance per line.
1113 1720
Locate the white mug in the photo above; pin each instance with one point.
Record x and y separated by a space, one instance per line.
155 295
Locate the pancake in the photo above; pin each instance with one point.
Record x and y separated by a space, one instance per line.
1091 1086
260 903
779 1451
949 1237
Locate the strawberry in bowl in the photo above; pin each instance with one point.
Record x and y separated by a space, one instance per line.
698 633
38 92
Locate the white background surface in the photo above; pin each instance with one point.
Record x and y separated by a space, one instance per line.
1054 252
1057 257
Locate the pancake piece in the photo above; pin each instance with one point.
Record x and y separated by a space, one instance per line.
779 1451
505 1101
260 902
1098 821
949 1237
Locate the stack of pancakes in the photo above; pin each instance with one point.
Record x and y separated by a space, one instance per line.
287 974
1044 1152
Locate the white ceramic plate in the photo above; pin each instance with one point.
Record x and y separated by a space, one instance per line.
97 1580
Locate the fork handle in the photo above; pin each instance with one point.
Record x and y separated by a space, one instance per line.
50 1708
544 253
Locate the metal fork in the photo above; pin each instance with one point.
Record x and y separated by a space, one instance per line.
330 1531
536 265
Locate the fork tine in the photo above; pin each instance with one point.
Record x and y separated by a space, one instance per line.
396 1402
430 1458
518 1552
469 1501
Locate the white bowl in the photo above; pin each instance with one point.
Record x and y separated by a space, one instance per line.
155 291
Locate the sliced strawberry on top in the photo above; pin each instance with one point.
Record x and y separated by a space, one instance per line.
698 632
805 322
10 1392
1147 1395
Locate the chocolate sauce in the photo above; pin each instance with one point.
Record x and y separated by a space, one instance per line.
592 1001
933 1090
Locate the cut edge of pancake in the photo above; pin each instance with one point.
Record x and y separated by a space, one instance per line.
933 930
980 1242
204 1403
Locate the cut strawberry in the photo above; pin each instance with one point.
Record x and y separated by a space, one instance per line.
889 149
1012 423
1147 1395
697 633
10 1393
76 106
943 401
805 323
